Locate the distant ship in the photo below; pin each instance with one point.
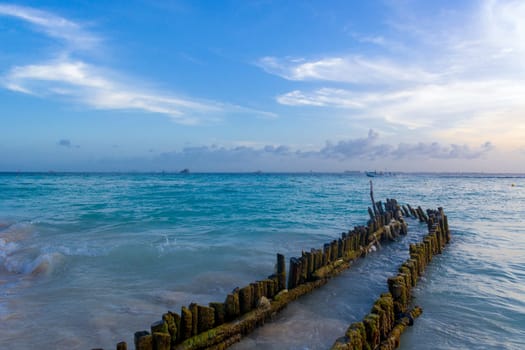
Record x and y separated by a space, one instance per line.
378 173
185 171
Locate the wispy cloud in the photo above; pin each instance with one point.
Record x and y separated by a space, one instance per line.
428 105
75 79
89 85
353 69
52 25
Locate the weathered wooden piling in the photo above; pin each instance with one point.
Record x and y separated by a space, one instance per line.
206 318
219 312
245 299
281 272
221 324
186 323
161 341
173 322
143 341
293 275
232 305
391 313
194 309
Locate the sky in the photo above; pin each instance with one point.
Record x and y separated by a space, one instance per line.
272 86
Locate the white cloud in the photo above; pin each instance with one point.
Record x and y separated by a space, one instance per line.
422 106
54 26
324 97
348 69
91 87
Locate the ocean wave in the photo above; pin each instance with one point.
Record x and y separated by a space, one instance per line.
17 261
19 257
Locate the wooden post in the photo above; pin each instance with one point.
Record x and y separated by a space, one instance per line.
372 199
326 254
281 272
340 248
303 262
245 299
194 308
172 326
186 323
161 341
232 306
143 341
333 251
206 318
293 277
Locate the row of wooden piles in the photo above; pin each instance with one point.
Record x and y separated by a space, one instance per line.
392 312
220 324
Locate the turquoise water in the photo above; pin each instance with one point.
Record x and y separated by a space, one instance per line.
86 260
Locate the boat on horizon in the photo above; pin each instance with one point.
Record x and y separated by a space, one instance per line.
378 173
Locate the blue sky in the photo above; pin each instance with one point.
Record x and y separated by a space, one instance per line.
262 85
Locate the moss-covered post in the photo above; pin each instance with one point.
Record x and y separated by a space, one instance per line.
293 276
186 323
172 327
194 308
281 272
161 338
161 341
326 254
245 299
232 305
219 312
143 341
206 317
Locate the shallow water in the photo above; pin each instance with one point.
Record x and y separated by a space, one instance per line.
87 259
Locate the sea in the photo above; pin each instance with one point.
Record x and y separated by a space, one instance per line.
88 259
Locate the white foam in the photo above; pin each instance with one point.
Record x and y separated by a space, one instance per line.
27 265
44 264
17 258
7 249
